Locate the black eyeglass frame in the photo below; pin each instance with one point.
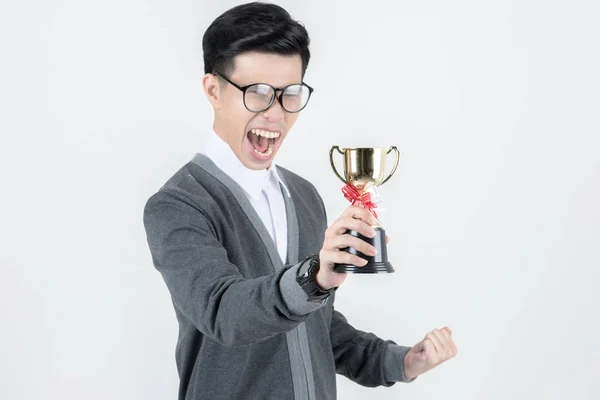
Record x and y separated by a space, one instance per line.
275 90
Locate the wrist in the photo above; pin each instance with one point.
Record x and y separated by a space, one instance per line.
409 374
396 364
321 283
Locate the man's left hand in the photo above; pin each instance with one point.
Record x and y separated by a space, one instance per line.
434 349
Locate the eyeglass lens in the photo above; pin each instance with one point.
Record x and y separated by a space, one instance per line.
294 98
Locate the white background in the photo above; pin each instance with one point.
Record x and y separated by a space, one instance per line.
493 215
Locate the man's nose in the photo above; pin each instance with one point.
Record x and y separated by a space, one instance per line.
275 112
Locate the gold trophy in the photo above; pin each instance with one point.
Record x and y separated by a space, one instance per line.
364 172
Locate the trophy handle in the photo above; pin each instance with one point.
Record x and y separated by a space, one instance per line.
393 148
333 164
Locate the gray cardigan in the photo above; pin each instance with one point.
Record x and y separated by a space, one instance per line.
246 330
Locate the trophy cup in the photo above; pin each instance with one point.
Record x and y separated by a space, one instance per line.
364 171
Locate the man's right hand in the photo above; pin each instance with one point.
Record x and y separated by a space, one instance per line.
354 218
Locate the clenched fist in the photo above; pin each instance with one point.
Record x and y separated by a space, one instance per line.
434 349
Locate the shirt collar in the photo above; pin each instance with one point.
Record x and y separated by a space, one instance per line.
252 181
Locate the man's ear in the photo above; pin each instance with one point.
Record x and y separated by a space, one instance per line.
212 89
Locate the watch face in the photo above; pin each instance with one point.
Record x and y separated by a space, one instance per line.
315 264
305 269
306 274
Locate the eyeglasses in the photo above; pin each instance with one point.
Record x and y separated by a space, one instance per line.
259 97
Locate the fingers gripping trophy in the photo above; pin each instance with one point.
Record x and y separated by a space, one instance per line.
364 171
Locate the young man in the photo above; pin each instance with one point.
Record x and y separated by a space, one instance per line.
243 246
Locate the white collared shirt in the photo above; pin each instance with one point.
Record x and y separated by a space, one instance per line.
262 188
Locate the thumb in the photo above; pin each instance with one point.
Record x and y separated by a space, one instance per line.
419 347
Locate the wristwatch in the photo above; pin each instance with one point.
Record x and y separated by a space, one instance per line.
306 278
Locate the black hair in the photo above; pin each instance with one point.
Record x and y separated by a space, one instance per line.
256 26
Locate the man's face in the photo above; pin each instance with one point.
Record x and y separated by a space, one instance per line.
255 138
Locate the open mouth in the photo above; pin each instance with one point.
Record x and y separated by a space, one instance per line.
263 141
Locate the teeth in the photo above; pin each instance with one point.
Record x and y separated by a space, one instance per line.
265 133
266 153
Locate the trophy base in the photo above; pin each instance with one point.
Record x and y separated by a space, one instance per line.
376 268
377 264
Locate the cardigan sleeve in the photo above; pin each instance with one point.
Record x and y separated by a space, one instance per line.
207 288
365 358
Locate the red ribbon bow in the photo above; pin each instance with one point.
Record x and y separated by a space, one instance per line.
355 196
